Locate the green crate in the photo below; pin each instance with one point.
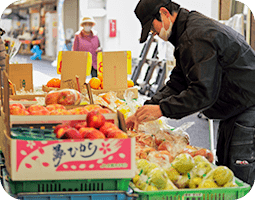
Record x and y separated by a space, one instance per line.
32 134
230 193
68 185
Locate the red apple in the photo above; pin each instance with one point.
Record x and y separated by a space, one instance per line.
18 111
95 119
107 125
85 130
40 112
66 98
52 98
105 110
71 133
91 107
114 133
92 134
61 127
80 125
52 107
36 108
78 111
58 112
17 105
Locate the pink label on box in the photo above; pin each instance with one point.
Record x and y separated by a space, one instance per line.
74 155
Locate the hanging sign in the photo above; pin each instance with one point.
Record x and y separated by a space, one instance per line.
113 28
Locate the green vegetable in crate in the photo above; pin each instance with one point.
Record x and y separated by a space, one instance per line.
183 181
141 184
170 186
199 159
142 163
158 177
172 173
151 188
136 178
201 169
208 183
230 184
222 175
183 163
194 182
150 167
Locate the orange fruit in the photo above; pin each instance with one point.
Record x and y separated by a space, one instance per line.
54 82
130 83
95 83
100 76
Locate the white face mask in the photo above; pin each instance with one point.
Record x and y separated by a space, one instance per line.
87 28
165 34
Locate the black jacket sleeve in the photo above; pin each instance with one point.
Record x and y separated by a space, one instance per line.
198 86
174 85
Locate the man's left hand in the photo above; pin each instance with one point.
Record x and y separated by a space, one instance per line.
148 113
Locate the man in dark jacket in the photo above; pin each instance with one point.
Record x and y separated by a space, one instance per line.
214 73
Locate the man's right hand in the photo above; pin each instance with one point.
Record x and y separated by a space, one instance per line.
131 123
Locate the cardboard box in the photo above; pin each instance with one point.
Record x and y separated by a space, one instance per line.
64 159
22 76
115 67
68 159
74 63
55 119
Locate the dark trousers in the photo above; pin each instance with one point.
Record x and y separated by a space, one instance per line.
241 152
93 72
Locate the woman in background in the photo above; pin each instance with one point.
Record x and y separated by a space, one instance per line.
87 41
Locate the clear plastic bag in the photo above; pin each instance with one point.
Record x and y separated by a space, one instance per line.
220 176
63 97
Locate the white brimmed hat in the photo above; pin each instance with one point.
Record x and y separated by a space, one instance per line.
88 19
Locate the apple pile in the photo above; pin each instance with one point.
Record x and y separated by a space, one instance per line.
54 109
95 127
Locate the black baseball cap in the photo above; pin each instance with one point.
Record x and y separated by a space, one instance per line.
146 11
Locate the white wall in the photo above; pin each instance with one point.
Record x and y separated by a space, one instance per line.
206 7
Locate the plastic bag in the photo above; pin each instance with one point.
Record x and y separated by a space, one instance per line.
163 158
63 97
220 176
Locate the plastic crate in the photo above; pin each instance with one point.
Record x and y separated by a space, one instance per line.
32 134
224 193
99 195
66 185
71 195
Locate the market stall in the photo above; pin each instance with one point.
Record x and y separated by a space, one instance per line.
71 142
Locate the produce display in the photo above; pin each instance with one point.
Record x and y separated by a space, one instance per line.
95 127
55 109
165 161
98 83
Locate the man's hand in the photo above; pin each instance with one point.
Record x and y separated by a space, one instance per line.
143 114
148 113
131 122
